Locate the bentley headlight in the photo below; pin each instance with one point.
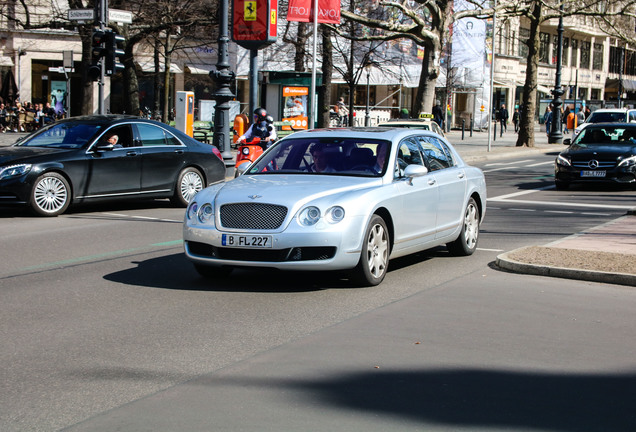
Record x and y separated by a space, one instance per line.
630 161
14 171
309 216
193 207
205 213
563 161
335 214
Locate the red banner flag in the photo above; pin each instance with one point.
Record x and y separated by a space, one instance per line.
302 10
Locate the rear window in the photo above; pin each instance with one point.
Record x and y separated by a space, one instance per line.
606 117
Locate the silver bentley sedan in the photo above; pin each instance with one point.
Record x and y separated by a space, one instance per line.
338 199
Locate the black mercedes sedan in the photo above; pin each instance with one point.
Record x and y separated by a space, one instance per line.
601 153
105 157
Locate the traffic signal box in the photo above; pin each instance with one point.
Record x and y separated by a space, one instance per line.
105 48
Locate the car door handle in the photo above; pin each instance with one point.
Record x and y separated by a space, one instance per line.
131 153
460 175
179 151
431 182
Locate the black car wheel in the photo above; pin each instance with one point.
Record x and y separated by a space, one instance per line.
374 258
189 182
51 195
466 242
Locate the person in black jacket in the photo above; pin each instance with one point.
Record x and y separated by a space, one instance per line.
503 118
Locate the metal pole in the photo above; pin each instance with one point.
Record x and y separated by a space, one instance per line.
254 103
366 114
492 76
312 108
103 20
223 78
556 137
620 77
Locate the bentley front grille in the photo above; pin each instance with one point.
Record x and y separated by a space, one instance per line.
253 216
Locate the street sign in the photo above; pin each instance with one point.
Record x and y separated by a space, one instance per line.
114 15
60 69
120 16
81 14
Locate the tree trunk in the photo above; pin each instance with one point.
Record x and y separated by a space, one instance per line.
166 81
526 124
428 79
131 84
327 71
156 83
87 85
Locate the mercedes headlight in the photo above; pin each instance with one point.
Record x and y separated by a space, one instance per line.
563 161
630 161
14 171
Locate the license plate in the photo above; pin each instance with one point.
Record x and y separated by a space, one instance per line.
246 241
592 173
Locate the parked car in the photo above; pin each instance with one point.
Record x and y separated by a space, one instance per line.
425 123
607 115
601 153
71 161
339 199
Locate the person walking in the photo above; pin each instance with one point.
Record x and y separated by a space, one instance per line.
547 119
515 119
438 114
503 119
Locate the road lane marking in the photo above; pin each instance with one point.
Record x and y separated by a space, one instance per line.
490 250
149 218
508 163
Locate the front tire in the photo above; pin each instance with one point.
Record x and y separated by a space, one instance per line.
374 257
466 242
51 195
189 182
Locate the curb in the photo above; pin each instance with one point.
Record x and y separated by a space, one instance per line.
505 262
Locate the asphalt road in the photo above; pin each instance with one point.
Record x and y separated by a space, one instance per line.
105 326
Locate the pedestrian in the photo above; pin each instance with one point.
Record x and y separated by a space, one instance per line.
580 116
566 119
438 114
503 119
547 119
571 121
515 119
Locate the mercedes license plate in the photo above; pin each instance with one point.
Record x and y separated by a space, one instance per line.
592 173
247 241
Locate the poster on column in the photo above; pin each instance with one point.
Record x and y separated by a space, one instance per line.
296 106
58 97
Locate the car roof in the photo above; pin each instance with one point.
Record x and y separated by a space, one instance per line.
376 132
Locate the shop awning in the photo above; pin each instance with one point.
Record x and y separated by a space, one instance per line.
199 69
148 65
544 89
627 84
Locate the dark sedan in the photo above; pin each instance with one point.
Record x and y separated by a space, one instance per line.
601 153
73 161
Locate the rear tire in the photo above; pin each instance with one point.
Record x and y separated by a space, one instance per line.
51 195
466 242
374 257
189 182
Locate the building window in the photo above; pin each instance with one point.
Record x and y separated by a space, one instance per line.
597 57
596 94
585 55
574 53
524 35
544 45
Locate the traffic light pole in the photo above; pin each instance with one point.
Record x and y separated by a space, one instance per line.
101 16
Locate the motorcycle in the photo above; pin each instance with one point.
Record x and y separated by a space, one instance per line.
248 152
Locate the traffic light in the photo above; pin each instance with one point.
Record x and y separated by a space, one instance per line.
113 52
98 50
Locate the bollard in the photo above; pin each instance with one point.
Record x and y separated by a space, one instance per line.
463 128
494 135
471 127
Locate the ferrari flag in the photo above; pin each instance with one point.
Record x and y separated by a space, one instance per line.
302 10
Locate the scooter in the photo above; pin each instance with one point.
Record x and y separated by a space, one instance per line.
248 152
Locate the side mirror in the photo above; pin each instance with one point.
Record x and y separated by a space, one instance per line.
412 171
567 141
240 170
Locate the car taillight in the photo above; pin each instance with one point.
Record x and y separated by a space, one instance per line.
217 152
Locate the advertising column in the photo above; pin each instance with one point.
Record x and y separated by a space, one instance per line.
296 106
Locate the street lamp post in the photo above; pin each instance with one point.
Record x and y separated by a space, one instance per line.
223 77
556 137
